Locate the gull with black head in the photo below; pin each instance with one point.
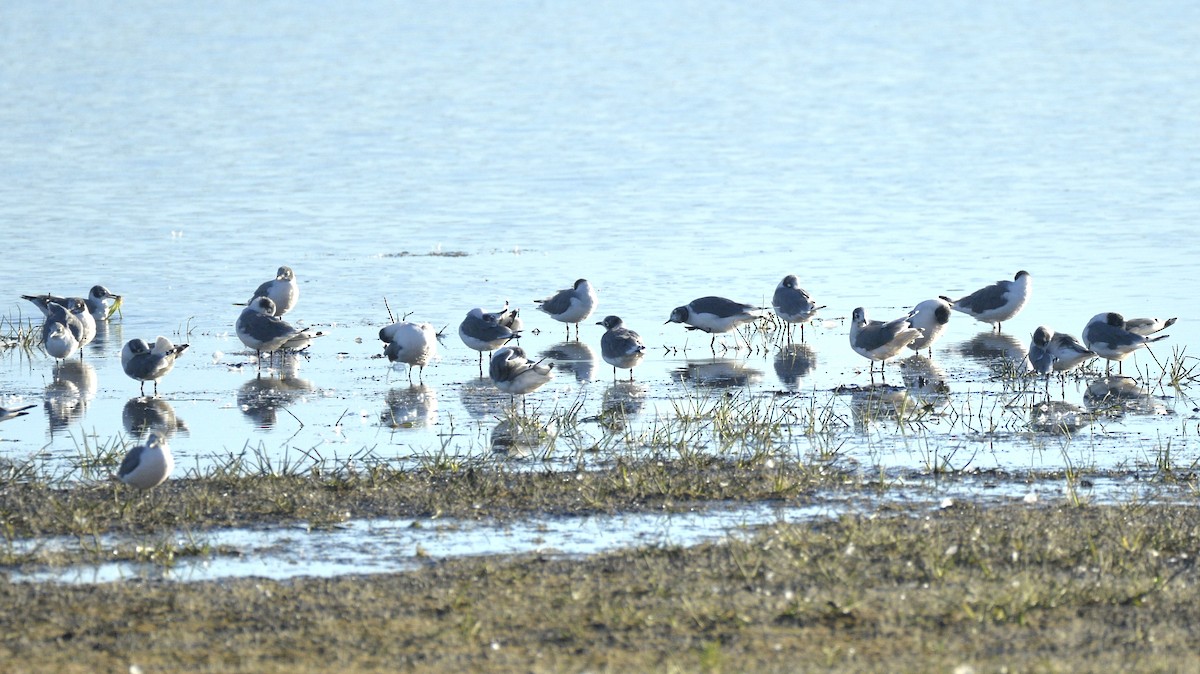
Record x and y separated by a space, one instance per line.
713 315
570 305
620 346
793 304
997 302
1105 334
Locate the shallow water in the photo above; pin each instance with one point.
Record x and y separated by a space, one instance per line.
447 157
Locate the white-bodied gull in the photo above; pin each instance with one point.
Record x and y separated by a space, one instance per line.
96 301
1105 334
260 329
483 332
571 305
998 302
876 340
62 331
515 374
620 346
145 363
147 465
282 290
414 344
714 314
793 304
930 317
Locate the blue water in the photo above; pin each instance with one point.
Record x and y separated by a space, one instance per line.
884 152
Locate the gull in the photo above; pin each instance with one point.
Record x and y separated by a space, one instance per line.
930 317
282 290
998 302
793 304
96 301
1105 334
145 363
148 465
714 314
514 374
509 318
620 346
876 340
6 413
483 332
62 331
260 329
571 305
1040 355
1148 326
1068 352
410 343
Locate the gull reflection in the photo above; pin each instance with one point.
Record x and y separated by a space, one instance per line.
876 402
261 397
482 399
1058 417
988 347
144 414
67 395
520 437
622 400
925 381
718 373
411 407
793 362
574 357
1116 395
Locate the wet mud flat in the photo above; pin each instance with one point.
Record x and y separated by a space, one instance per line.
1027 584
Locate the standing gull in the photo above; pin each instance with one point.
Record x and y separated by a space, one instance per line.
998 302
930 317
143 363
714 314
1105 334
620 346
414 344
792 304
282 290
148 465
96 301
571 305
1040 356
61 332
260 329
514 374
876 340
484 332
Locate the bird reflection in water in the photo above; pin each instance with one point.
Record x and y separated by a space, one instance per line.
411 407
989 347
718 373
792 363
261 397
574 357
521 437
144 414
69 392
1058 417
1117 395
622 400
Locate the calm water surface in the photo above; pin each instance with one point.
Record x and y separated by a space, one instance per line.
447 156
